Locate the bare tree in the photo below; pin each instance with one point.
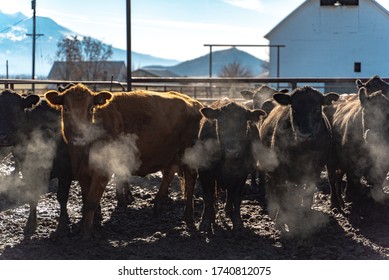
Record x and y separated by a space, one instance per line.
235 69
83 58
69 50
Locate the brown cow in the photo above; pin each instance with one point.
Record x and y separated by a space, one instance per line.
361 131
150 131
298 135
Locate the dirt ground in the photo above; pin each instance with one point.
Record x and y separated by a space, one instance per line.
133 233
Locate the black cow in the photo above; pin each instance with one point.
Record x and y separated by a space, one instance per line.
361 145
374 84
33 129
298 134
261 98
227 125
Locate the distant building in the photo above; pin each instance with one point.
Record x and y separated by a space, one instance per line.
88 71
329 38
153 72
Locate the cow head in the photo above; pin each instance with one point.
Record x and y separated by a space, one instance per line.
374 84
233 124
260 95
375 116
12 115
78 105
306 110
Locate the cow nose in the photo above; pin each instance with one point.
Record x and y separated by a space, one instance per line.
305 135
4 140
232 153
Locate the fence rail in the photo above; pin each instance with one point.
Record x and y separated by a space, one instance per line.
201 88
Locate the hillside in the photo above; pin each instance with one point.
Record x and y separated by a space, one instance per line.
199 67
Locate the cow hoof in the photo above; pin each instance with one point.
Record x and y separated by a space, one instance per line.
237 224
30 227
205 226
188 217
63 229
86 235
124 201
157 209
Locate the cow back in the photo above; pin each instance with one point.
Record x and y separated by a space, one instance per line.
164 124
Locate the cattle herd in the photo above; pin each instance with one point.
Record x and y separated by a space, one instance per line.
283 140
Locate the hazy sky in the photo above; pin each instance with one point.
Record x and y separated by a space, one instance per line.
175 29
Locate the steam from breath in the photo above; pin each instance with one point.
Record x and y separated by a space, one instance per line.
119 156
202 154
294 210
265 156
34 157
379 155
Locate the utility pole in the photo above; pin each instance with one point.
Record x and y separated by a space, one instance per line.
34 35
128 15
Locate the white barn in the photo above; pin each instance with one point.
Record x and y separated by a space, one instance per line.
329 38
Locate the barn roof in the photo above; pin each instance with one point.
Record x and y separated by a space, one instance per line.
106 69
154 72
308 2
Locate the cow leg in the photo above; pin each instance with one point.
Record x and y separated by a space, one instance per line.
273 199
234 198
354 189
32 222
162 194
335 180
64 182
92 203
123 193
190 177
208 185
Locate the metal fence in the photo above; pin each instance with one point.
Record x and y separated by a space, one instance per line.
200 88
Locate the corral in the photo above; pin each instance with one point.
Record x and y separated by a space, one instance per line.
133 233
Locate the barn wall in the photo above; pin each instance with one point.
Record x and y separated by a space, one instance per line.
325 41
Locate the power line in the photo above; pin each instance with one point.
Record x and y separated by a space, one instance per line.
9 27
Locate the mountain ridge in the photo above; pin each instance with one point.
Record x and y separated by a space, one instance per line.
16 51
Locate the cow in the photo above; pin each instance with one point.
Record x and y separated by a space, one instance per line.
361 131
32 129
227 125
298 137
261 98
152 131
374 84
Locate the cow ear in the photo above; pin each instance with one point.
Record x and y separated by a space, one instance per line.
329 98
210 113
359 83
284 90
282 98
363 97
254 115
54 99
30 100
102 98
247 94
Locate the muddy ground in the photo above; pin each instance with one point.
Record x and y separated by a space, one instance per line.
133 232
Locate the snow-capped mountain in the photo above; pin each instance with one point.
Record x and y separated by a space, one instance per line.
16 46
